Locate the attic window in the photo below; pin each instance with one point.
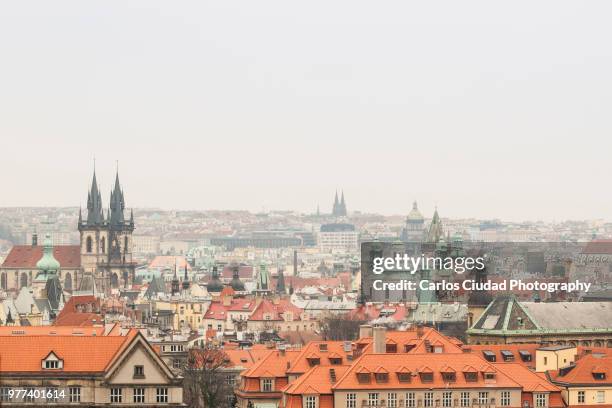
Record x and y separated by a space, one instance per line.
426 377
139 371
52 362
403 377
391 348
363 378
599 375
489 355
507 355
382 377
323 347
408 347
314 361
471 376
525 355
489 376
449 377
335 361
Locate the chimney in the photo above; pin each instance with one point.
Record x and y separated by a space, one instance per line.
380 345
419 331
365 330
34 239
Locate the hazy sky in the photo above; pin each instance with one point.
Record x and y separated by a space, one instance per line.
487 109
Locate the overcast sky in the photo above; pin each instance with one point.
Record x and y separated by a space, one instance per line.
487 109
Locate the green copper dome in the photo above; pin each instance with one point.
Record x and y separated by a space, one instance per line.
48 263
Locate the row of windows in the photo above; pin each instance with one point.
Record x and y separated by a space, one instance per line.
600 397
449 399
138 395
53 394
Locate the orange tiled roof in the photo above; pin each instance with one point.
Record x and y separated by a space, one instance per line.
529 380
416 363
50 331
26 256
335 349
514 349
583 373
90 354
245 358
317 379
274 364
416 341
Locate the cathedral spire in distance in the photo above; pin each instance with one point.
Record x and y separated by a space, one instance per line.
94 203
117 204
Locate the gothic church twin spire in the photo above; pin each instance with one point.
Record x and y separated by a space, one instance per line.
95 212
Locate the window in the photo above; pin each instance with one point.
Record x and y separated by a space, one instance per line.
505 398
51 394
581 397
266 385
540 400
373 399
162 394
139 395
381 377
403 377
429 396
471 377
4 394
116 395
176 363
88 244
363 378
483 397
29 395
392 400
139 371
351 400
448 377
447 399
426 377
410 400
74 394
311 401
601 397
52 364
465 399
545 360
230 380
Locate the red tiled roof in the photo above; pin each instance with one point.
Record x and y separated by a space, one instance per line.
50 331
26 256
317 380
335 349
275 310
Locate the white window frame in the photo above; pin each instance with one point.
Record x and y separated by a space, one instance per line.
505 398
465 399
581 397
540 400
267 385
161 395
138 395
351 400
410 400
373 398
483 397
392 399
74 394
116 395
428 399
310 401
447 399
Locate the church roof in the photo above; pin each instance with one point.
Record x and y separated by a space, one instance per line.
26 256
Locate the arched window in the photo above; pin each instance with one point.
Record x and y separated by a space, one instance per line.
103 245
125 245
68 281
88 244
24 280
3 284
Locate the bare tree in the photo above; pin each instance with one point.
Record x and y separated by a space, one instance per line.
205 379
340 327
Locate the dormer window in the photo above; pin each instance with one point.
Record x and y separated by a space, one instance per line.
426 377
525 355
381 377
489 376
314 361
363 378
471 376
449 377
323 347
52 362
391 348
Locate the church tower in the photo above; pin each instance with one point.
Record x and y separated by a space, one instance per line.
106 242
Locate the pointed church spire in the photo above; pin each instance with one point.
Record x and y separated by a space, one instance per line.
342 205
117 203
94 203
336 206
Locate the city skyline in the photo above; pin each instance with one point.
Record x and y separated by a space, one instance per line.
484 113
